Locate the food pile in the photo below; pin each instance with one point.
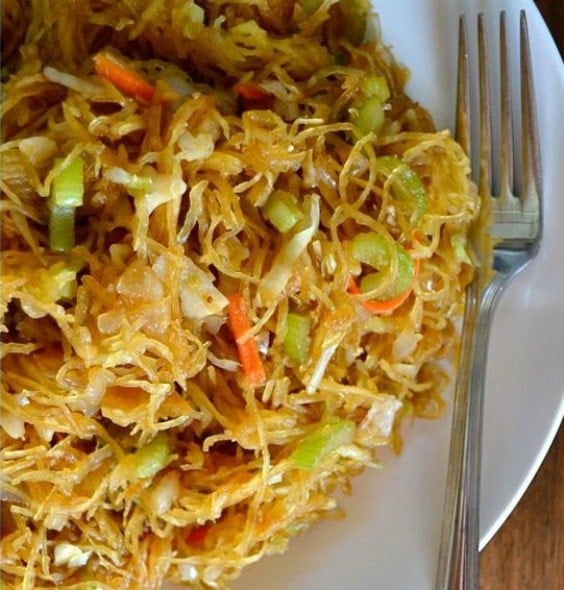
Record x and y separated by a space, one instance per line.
233 255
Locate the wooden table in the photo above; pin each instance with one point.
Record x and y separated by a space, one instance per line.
528 551
553 13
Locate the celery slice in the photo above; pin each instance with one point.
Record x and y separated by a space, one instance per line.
282 211
402 281
369 116
68 185
372 249
61 228
67 192
321 442
459 243
297 340
376 86
195 17
283 265
406 186
151 458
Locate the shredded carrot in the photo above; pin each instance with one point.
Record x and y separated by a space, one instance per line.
124 79
246 347
386 305
198 534
251 91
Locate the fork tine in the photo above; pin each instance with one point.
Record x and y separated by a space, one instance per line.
530 150
484 171
506 130
462 122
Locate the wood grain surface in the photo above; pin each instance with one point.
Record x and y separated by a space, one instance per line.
553 13
528 551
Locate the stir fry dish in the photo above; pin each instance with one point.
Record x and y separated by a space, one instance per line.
234 253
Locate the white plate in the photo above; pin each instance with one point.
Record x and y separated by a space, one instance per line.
390 536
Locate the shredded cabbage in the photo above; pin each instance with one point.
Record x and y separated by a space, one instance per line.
134 447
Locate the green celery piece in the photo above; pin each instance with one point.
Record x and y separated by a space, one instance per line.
321 442
68 186
459 243
376 86
151 458
368 116
372 249
297 340
406 186
194 16
67 192
282 211
403 279
61 228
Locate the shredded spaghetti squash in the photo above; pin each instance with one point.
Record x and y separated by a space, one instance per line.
233 255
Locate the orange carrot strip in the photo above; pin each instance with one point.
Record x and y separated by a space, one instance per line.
124 79
198 534
386 305
246 347
251 91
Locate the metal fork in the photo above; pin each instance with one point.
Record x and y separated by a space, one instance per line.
516 230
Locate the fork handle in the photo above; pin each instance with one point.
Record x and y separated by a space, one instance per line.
458 567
